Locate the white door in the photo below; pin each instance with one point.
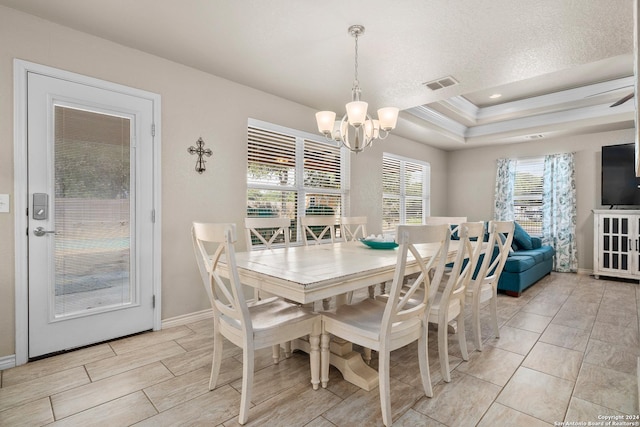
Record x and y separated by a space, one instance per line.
90 226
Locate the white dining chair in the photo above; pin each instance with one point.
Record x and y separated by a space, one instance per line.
353 228
315 229
453 221
484 287
386 326
262 324
320 228
449 301
263 232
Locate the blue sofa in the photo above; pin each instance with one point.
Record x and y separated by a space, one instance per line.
528 262
524 267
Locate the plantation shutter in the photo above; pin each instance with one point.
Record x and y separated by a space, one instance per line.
291 174
322 178
404 192
390 194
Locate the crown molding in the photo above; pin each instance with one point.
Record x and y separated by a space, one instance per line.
568 108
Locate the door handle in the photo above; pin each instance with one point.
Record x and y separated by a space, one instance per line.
40 231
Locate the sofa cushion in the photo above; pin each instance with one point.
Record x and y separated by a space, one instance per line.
522 238
517 263
536 242
546 251
536 254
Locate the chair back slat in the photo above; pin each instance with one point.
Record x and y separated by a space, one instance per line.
266 231
500 236
317 227
453 221
470 246
353 227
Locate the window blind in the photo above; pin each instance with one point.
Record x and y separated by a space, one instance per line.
321 165
527 194
271 157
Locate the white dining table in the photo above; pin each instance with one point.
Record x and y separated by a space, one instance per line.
306 274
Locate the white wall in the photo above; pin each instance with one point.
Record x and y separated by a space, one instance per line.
194 104
471 178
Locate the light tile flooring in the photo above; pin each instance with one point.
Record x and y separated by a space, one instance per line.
568 351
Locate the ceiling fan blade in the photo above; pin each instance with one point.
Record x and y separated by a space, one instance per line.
622 100
607 91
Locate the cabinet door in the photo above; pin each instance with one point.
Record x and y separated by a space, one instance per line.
616 245
634 244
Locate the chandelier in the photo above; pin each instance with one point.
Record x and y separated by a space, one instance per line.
357 129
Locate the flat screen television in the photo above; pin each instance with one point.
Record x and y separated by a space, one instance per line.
620 186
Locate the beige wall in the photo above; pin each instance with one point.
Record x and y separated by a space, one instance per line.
194 104
471 179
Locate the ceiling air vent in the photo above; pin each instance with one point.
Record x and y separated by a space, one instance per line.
441 83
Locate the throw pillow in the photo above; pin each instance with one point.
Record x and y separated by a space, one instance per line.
522 238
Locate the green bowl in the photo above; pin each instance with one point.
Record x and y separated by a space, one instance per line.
379 245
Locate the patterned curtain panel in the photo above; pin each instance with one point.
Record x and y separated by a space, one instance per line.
505 181
559 210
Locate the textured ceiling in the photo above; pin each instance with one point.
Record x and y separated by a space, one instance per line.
302 51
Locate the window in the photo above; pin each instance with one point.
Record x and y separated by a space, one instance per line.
291 173
527 194
405 191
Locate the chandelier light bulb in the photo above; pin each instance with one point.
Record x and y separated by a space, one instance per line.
325 120
357 112
388 117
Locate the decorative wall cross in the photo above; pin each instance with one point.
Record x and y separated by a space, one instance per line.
200 151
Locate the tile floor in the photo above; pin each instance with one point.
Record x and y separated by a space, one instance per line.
568 352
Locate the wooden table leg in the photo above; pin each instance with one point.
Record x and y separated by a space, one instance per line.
347 361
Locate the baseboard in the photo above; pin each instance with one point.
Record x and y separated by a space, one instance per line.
585 271
7 362
187 318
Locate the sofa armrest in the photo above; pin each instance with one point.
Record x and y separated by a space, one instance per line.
536 242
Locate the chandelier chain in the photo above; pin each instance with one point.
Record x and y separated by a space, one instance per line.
356 62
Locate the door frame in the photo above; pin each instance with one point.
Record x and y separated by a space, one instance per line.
21 195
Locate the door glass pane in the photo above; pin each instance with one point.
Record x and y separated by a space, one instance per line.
92 212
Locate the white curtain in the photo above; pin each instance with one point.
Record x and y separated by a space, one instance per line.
559 210
505 182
